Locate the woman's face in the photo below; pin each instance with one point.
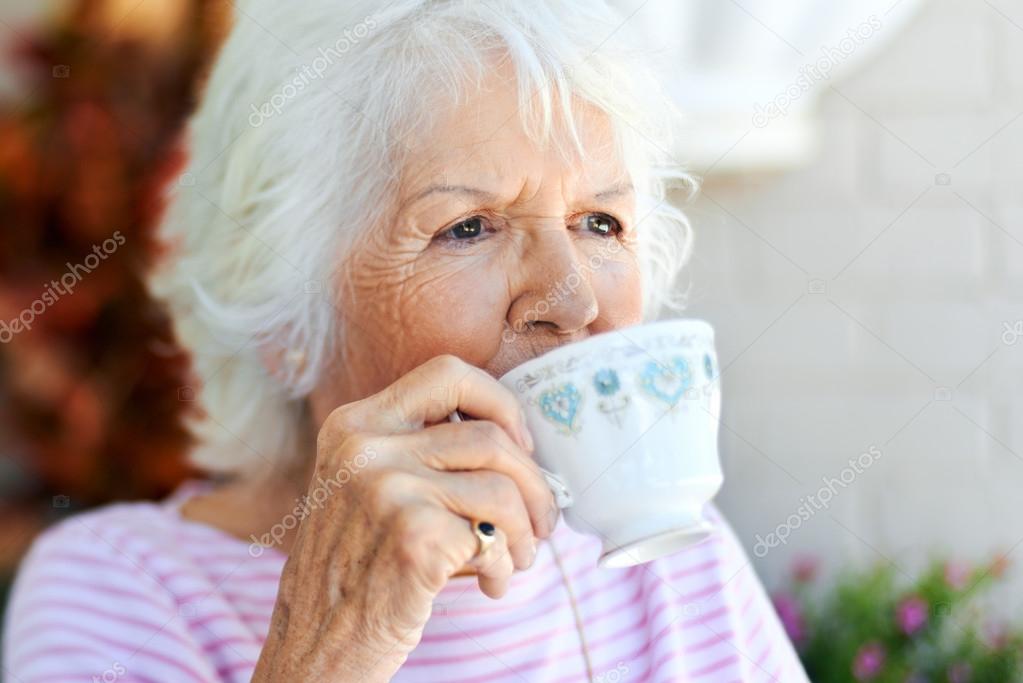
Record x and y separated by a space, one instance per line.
496 252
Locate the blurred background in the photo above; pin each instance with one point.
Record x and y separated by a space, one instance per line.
94 94
859 249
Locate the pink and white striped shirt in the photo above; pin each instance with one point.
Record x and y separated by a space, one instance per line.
136 593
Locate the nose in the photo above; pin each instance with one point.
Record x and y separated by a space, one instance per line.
555 290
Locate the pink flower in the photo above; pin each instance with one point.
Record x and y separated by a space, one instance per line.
805 569
957 574
911 614
868 661
791 615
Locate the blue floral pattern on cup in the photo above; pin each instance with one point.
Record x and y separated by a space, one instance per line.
560 405
667 382
606 381
608 384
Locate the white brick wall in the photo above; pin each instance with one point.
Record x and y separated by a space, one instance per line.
935 286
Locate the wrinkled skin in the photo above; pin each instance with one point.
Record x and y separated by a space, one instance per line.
418 294
433 315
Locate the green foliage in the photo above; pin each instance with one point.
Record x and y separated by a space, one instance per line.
878 625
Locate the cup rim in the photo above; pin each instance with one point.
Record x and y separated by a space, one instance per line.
584 346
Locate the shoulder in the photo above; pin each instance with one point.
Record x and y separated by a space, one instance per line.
94 588
109 553
114 538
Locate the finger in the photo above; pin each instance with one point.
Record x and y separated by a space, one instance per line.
482 445
494 567
438 387
493 497
433 543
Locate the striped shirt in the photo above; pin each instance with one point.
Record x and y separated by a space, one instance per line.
136 593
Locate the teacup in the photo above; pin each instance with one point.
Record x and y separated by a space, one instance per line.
625 425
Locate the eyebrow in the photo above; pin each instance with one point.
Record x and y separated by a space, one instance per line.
614 191
454 189
477 193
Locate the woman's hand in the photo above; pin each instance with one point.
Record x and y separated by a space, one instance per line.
361 577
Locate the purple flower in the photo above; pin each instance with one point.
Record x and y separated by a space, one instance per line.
959 673
911 614
868 661
791 615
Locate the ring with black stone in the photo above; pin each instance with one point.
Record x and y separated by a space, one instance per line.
486 534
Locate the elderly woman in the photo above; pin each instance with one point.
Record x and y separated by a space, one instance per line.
383 206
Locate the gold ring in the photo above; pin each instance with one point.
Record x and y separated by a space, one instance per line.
486 534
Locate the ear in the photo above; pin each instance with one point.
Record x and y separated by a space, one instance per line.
280 362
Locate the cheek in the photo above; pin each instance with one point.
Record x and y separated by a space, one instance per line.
404 307
458 307
618 286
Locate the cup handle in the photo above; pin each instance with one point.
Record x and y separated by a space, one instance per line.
562 496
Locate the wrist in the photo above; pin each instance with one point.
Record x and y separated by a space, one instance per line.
345 661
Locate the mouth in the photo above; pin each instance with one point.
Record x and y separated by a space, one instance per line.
526 346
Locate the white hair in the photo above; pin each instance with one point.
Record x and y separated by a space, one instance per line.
296 148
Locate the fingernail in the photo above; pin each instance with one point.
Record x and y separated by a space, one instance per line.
532 552
527 438
552 517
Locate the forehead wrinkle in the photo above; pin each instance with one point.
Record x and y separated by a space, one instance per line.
541 185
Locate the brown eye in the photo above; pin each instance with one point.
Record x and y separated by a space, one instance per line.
467 229
602 224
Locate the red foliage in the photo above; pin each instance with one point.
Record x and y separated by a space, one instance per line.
89 371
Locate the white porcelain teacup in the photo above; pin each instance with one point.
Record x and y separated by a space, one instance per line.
625 424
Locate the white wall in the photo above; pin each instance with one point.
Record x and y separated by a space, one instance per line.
920 278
